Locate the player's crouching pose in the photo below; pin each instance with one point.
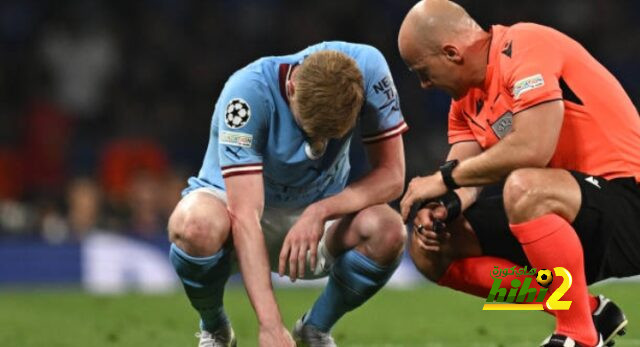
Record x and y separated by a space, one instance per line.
272 194
533 106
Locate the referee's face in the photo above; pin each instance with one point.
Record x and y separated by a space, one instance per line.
436 69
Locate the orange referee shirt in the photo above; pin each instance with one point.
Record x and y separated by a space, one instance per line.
531 64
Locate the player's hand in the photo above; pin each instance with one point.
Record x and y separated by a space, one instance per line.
426 227
302 237
275 337
421 189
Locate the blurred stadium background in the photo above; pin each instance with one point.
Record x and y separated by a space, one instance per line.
104 112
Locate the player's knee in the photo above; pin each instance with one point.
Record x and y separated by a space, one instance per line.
521 193
382 234
377 221
394 237
369 223
389 228
431 265
198 234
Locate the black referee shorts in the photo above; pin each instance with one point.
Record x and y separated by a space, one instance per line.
608 224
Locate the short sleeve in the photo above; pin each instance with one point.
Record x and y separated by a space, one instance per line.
458 128
532 69
241 116
381 114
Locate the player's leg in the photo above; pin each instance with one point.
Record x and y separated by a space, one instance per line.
540 205
199 227
368 247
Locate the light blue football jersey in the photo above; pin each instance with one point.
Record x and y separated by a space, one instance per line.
253 129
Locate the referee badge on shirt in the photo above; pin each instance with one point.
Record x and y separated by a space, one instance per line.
502 126
238 113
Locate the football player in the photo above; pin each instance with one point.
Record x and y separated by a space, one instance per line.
272 193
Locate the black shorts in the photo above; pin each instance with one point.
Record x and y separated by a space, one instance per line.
608 224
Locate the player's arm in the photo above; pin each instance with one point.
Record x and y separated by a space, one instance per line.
241 115
245 201
382 184
382 121
381 125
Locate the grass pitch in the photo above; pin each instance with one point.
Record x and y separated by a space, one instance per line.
425 316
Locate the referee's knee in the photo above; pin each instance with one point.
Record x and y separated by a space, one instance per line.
521 198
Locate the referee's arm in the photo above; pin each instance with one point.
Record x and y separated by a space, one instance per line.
463 150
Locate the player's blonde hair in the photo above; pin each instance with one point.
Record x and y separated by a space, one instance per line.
329 94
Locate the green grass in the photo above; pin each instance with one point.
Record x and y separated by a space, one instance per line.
426 316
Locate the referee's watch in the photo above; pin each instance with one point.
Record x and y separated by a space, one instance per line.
446 171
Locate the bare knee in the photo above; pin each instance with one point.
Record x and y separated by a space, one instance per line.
431 265
382 233
198 231
525 196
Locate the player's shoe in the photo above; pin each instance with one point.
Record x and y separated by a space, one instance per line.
310 336
223 337
557 340
609 320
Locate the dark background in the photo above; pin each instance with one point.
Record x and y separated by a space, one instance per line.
105 105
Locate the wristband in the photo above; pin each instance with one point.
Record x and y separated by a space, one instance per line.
451 201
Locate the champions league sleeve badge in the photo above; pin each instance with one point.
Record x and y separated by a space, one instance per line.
238 113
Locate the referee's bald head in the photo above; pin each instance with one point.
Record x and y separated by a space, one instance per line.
444 46
431 22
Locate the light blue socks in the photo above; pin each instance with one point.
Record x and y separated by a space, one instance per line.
204 279
354 278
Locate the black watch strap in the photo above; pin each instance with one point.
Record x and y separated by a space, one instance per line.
446 170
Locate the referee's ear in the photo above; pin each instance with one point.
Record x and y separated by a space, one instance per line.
452 53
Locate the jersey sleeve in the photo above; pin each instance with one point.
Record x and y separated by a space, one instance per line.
532 70
381 114
458 128
241 115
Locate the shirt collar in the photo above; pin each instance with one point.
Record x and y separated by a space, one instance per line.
497 34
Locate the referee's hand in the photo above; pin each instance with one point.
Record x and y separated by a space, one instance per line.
427 227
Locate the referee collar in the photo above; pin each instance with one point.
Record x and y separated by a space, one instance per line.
497 35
